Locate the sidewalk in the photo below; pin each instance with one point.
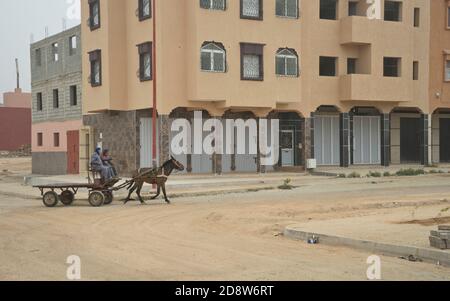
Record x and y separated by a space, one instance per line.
177 185
397 231
363 170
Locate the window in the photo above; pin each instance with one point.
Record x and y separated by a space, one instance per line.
392 11
55 99
145 61
252 9
328 66
39 105
213 57
415 70
72 45
328 9
94 14
56 139
416 17
252 61
351 65
55 55
73 96
353 8
40 139
95 57
38 57
447 70
213 4
144 10
391 66
287 8
286 62
448 17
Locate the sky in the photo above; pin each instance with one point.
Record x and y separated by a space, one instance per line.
21 19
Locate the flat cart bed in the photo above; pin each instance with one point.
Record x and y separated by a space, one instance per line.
99 194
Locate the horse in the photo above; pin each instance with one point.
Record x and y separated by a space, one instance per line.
153 176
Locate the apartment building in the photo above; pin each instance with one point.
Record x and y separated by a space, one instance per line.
56 97
15 120
349 87
439 91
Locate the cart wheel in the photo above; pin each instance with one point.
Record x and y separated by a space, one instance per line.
96 199
109 197
67 197
50 199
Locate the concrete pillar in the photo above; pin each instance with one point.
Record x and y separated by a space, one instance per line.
424 141
385 140
308 139
344 130
164 138
217 158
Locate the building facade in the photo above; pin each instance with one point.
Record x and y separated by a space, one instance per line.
15 121
439 91
57 108
349 82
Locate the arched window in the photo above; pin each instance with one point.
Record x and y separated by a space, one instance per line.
287 62
213 57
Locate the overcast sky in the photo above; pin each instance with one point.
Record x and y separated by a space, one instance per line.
19 19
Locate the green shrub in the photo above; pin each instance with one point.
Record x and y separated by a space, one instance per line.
387 174
354 175
342 176
410 172
374 174
286 185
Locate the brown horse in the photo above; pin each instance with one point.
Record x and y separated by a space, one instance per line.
153 176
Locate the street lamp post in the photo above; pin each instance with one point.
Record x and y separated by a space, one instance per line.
154 111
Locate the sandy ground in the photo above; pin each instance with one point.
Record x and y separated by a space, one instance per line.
223 237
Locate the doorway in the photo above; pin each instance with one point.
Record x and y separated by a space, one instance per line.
287 148
410 140
444 140
73 152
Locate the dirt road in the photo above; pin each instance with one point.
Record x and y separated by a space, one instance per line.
225 237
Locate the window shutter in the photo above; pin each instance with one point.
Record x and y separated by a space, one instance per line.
204 3
206 61
280 66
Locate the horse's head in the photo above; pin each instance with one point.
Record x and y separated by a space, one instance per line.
178 166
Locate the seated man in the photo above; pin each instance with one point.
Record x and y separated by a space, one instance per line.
107 161
97 165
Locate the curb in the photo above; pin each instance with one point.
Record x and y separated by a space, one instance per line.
427 255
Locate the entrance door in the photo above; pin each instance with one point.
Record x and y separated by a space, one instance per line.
444 140
287 148
366 140
409 140
146 138
326 140
73 152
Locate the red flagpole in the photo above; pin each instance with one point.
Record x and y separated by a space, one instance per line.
154 114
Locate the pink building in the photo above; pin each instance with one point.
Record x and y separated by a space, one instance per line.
15 120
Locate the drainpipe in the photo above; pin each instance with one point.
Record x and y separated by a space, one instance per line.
154 115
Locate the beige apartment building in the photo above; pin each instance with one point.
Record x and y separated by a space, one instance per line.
439 91
349 81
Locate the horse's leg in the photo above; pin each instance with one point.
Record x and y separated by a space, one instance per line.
138 192
163 186
158 192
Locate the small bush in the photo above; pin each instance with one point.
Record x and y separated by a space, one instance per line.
410 172
387 174
354 175
342 176
374 174
286 185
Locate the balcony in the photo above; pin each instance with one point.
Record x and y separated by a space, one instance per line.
365 87
358 30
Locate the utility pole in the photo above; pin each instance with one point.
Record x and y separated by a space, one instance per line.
17 74
154 111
